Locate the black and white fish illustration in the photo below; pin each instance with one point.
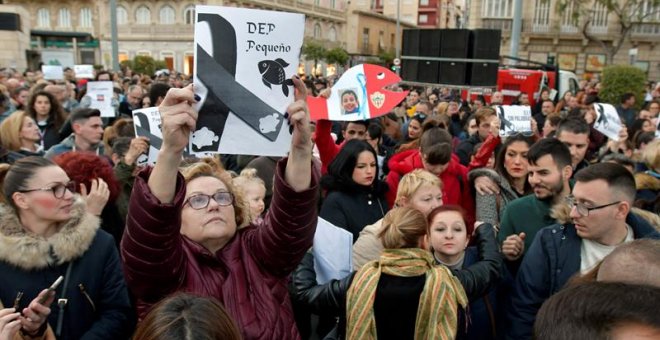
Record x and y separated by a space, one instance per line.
272 73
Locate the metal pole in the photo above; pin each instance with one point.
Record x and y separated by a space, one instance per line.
517 26
398 24
113 30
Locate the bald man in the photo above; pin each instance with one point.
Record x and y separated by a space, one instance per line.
636 262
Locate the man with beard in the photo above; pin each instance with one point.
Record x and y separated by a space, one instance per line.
549 172
596 219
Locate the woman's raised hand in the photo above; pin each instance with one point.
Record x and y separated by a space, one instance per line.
97 197
179 118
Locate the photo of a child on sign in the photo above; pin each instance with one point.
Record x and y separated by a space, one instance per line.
349 102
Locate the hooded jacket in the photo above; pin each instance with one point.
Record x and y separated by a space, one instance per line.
98 305
248 275
455 188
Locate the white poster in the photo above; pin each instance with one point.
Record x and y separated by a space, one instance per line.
244 61
52 72
100 92
514 119
333 252
84 71
147 123
607 120
64 58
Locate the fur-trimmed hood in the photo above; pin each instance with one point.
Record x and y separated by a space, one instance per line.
28 251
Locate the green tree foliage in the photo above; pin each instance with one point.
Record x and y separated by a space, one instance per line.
337 56
144 64
620 79
313 50
386 57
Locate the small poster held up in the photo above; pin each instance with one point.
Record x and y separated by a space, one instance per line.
52 72
84 71
147 123
358 95
514 119
244 61
607 121
100 93
333 252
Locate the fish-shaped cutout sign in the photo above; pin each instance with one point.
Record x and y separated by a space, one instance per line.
272 73
359 94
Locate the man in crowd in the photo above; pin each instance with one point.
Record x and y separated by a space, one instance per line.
574 133
497 98
327 147
547 107
637 262
132 101
484 117
598 222
549 172
87 134
627 109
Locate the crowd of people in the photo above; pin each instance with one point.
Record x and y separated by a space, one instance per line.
458 233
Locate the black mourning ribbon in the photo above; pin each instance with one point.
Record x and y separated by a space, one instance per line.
218 75
505 123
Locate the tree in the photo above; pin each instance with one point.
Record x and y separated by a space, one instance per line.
627 12
337 56
313 50
387 57
144 64
620 79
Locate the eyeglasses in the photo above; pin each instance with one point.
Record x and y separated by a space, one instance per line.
201 201
58 190
582 209
419 116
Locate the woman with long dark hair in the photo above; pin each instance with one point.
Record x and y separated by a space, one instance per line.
355 197
44 108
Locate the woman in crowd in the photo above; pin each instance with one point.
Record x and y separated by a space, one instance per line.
419 190
46 232
449 237
550 125
49 115
182 229
188 317
20 134
510 175
355 197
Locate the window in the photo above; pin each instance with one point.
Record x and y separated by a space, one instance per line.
85 19
167 15
122 16
333 3
317 31
423 18
541 16
599 19
423 2
189 15
123 56
143 16
332 34
64 18
43 18
568 21
365 40
497 8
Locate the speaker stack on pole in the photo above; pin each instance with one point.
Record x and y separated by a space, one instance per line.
451 44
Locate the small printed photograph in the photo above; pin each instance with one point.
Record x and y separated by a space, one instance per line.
349 101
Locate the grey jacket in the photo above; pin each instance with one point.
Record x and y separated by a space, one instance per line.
487 205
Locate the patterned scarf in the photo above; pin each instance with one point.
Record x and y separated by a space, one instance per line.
438 303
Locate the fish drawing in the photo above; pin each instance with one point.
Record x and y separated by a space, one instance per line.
272 73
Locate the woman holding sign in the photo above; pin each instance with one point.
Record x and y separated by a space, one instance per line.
183 234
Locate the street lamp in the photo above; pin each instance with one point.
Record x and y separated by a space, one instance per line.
398 24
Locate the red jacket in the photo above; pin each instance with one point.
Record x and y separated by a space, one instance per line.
455 186
248 276
327 147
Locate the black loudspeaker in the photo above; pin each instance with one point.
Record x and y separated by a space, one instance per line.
10 22
453 44
410 48
429 46
484 44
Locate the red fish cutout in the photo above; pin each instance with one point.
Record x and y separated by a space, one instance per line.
359 94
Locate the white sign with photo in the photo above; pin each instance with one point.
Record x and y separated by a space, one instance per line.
607 120
244 61
52 72
514 119
147 123
84 71
100 93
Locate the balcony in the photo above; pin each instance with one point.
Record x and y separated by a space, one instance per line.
646 29
503 24
305 6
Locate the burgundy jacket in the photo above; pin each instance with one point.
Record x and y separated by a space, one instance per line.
249 276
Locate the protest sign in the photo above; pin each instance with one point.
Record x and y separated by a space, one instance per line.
359 94
333 252
607 121
52 72
514 119
147 123
84 71
244 61
100 93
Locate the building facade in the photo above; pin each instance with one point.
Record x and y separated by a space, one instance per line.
370 34
549 34
69 32
423 13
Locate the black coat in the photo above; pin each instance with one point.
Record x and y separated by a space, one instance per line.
98 304
465 148
50 134
353 210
